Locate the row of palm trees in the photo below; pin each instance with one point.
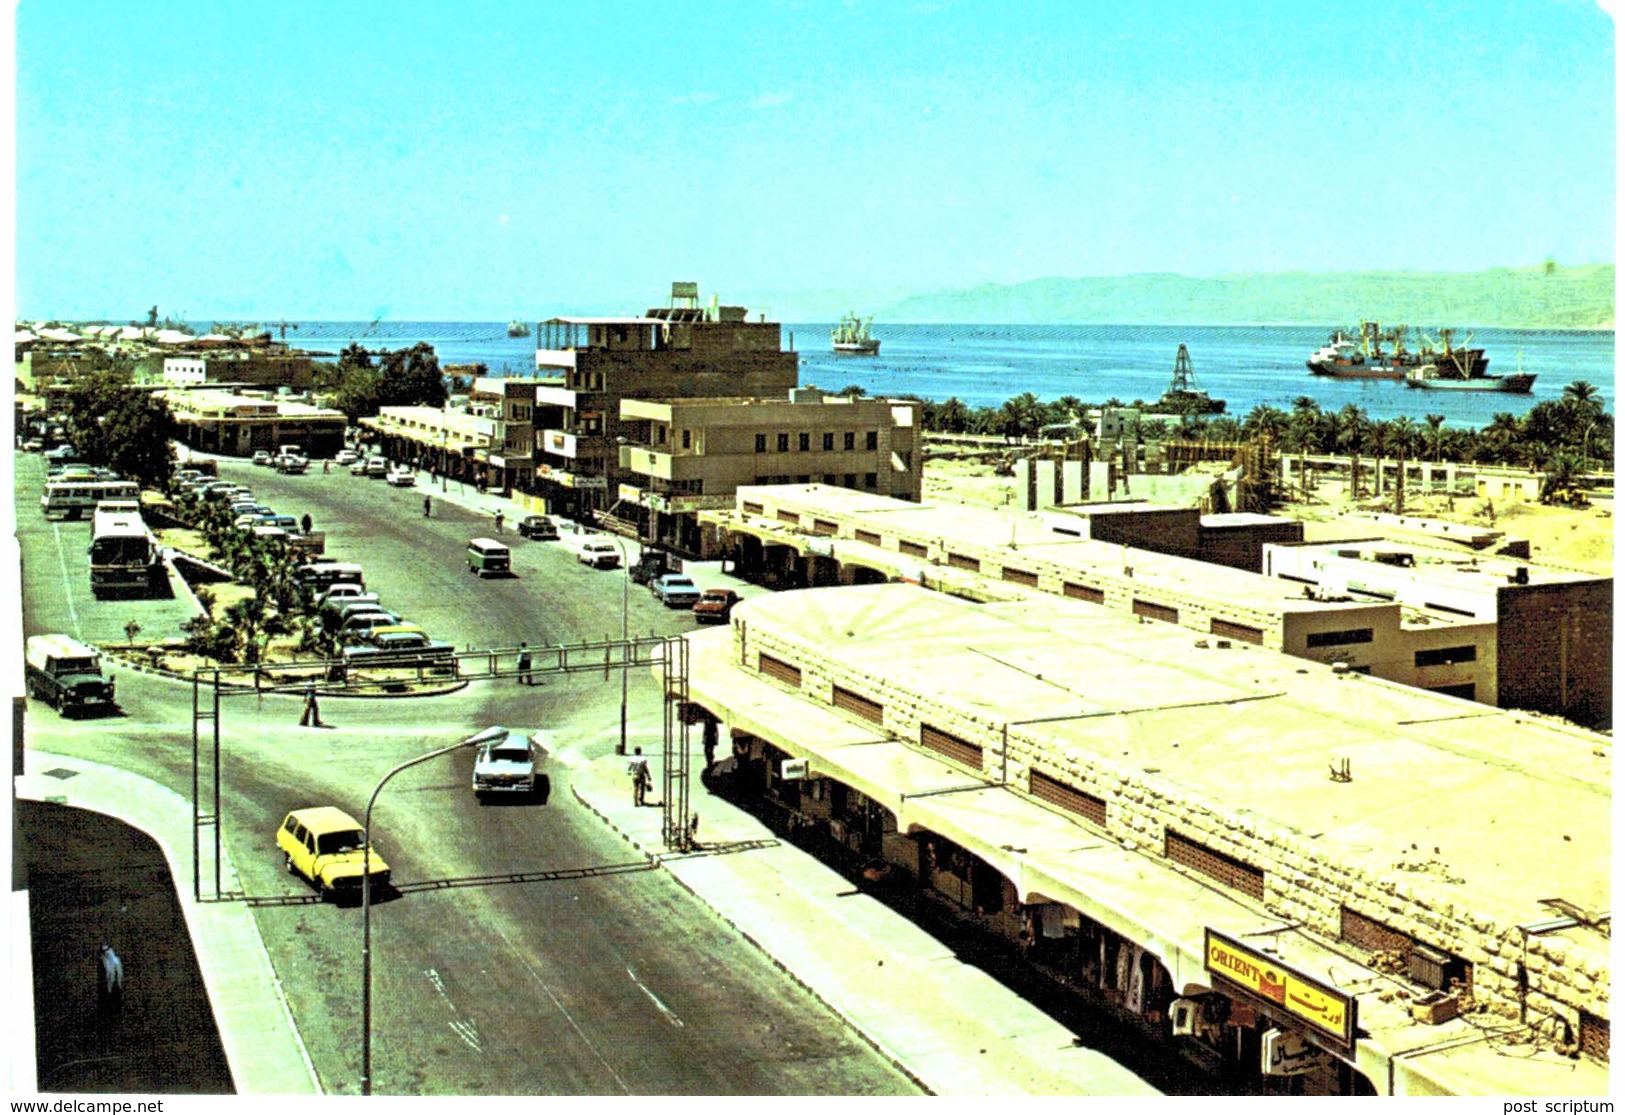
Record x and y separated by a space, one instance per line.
1572 434
275 606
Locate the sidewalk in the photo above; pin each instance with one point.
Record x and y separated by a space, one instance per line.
949 1025
256 1029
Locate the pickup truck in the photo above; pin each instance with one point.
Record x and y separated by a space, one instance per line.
504 763
68 674
653 563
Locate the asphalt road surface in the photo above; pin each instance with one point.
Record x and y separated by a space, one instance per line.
527 950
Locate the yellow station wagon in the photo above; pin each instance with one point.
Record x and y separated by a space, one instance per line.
324 844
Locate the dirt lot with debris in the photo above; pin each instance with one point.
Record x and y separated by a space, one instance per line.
1581 539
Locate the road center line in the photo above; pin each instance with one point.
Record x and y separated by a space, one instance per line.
67 594
655 999
567 1016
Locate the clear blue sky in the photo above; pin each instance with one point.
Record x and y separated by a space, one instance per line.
494 160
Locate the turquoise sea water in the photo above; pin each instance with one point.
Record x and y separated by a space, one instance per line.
985 364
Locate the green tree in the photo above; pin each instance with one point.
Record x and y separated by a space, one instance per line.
953 417
120 426
411 377
852 391
1436 424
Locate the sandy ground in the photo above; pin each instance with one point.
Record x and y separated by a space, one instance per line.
1580 539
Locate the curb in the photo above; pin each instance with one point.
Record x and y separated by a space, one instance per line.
857 1026
235 687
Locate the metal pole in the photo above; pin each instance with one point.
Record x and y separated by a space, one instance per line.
366 901
626 579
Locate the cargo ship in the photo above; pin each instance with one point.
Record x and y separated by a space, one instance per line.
852 338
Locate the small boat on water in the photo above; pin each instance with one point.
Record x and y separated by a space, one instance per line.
851 336
518 329
1182 397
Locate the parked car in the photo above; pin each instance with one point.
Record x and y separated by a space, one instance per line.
341 613
262 457
356 627
401 477
345 457
376 467
248 520
344 592
292 464
598 553
715 605
326 846
358 467
675 590
538 527
505 762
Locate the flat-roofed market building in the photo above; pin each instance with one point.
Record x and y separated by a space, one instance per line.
223 422
1378 888
816 535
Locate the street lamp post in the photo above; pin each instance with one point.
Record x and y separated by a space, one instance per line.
366 895
626 579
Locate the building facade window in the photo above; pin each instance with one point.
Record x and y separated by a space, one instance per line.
849 440
761 443
1338 638
1446 656
803 442
829 441
870 480
688 439
871 440
784 443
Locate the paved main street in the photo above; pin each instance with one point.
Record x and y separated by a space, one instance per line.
607 978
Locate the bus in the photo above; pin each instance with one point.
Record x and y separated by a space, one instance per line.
124 556
73 499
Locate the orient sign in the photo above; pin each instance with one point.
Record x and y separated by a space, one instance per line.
1329 1012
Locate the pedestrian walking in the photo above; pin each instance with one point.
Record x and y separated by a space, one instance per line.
425 507
708 738
638 768
304 522
524 666
327 467
499 522
312 717
109 978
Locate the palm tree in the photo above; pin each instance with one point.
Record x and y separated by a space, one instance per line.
1265 419
1353 428
1583 394
1436 424
952 416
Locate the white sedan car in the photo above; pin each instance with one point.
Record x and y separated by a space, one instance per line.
401 477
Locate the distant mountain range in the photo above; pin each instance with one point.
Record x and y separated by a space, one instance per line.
1543 297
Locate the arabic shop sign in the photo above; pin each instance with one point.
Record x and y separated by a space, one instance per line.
1328 1011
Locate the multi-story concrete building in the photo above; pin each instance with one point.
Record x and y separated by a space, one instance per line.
692 454
1277 866
678 352
1447 634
